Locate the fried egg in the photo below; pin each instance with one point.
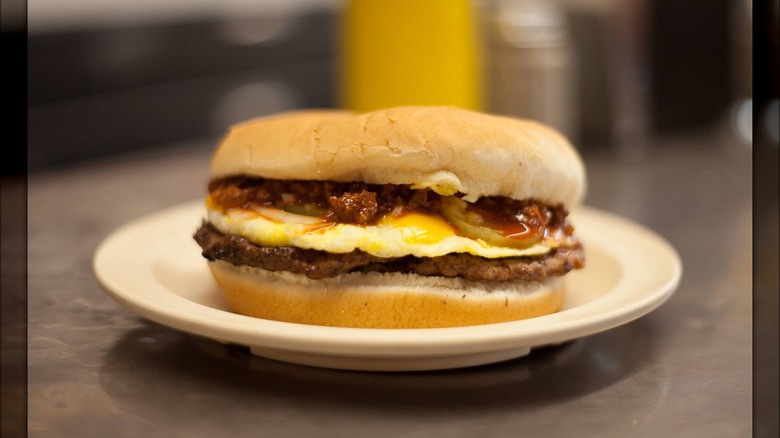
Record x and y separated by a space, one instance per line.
412 233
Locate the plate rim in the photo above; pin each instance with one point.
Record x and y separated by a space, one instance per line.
229 327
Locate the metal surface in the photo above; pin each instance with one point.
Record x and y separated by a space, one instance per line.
684 370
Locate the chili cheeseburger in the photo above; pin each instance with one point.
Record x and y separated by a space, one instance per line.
408 217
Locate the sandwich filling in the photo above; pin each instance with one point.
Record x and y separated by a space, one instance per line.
322 229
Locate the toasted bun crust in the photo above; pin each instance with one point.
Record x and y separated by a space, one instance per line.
443 148
375 300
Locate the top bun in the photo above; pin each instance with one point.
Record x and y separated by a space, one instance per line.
446 149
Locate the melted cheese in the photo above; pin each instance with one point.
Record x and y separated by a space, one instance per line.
417 234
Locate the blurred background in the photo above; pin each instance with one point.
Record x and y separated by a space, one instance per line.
106 77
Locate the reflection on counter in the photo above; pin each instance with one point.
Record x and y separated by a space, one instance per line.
517 391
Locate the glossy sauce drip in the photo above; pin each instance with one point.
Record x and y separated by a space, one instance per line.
530 224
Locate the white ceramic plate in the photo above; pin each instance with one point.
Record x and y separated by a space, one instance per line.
153 267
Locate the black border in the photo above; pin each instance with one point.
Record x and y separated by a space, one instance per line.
13 218
766 82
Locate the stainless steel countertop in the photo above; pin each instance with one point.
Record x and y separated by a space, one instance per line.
96 369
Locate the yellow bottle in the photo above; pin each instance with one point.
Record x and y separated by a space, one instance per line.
410 52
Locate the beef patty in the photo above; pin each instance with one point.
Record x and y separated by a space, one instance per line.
320 264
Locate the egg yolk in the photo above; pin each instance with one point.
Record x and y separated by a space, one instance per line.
421 228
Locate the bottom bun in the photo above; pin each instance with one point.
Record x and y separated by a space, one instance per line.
382 300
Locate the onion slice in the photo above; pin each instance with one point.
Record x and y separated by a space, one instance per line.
279 215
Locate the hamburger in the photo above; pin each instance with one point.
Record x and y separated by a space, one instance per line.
407 217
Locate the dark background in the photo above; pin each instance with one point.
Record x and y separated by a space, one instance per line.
96 90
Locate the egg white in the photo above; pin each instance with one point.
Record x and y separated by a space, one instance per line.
417 235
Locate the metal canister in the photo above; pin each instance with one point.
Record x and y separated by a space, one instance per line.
530 63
